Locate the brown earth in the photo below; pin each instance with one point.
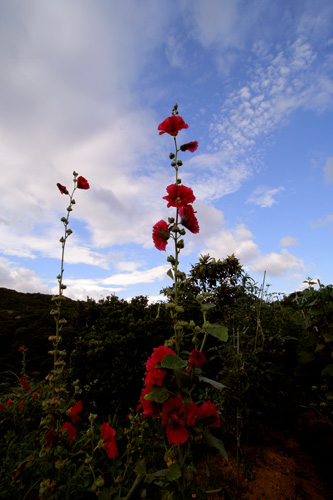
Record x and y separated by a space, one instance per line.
278 467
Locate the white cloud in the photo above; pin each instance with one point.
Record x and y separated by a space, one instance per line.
228 241
277 264
288 241
328 170
264 196
325 221
20 279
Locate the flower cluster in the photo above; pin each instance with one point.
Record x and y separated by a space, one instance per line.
176 414
179 196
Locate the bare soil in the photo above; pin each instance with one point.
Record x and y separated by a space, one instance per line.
278 466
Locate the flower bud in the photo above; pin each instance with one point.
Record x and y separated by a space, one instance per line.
182 231
73 202
63 219
173 163
179 163
171 259
179 181
170 305
171 156
171 220
180 244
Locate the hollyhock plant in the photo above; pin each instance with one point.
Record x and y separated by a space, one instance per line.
197 358
208 415
109 442
74 411
188 219
82 183
190 146
172 125
161 234
179 196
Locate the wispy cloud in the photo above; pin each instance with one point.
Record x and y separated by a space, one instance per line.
328 170
288 241
264 196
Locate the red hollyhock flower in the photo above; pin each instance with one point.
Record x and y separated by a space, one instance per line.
173 419
35 396
149 407
82 183
188 219
161 234
155 376
23 380
73 412
208 415
70 429
190 146
109 443
179 196
62 189
172 125
50 437
9 402
22 405
2 407
197 358
26 387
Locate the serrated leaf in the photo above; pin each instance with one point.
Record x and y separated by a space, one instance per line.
210 305
158 394
173 362
218 331
174 472
216 443
215 384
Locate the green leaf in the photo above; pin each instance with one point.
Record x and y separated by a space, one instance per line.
140 468
210 305
174 472
173 362
218 331
328 370
216 443
306 357
169 273
158 394
215 384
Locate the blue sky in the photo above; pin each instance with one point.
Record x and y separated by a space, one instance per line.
84 85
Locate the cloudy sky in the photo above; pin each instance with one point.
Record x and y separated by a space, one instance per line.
84 85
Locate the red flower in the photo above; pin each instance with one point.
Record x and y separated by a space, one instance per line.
26 387
158 354
161 234
155 376
73 412
172 125
50 437
149 407
179 196
190 146
188 219
2 407
173 418
9 402
35 396
197 358
207 413
21 405
110 445
70 429
82 183
23 380
62 189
